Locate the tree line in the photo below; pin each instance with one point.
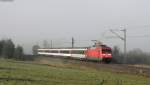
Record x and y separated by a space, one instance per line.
135 56
8 50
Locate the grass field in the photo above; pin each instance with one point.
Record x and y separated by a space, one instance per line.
60 73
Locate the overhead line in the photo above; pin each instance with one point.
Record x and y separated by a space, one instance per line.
141 36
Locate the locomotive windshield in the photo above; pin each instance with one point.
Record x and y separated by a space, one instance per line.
106 51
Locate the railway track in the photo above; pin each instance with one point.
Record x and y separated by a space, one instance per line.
141 70
120 68
124 68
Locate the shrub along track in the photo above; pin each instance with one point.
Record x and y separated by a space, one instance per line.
141 70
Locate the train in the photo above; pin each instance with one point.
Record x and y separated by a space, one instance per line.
99 53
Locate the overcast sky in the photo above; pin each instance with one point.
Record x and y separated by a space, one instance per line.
29 22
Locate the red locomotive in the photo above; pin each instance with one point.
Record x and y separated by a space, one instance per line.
98 52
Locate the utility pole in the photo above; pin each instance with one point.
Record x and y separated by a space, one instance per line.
72 42
51 44
125 44
124 39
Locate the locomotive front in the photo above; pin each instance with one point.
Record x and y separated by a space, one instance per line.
100 53
106 54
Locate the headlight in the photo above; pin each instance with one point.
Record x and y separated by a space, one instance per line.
108 54
103 54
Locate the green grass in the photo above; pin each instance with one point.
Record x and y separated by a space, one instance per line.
24 73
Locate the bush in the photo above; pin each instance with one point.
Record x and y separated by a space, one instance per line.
135 56
18 54
8 50
117 55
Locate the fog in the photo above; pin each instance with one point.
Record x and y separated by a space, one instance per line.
29 22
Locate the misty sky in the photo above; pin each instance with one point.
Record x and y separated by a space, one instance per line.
29 22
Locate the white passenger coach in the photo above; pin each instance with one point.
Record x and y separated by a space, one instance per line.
72 52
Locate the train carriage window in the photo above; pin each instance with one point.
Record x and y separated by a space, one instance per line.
64 51
40 50
47 51
54 51
44 51
77 52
